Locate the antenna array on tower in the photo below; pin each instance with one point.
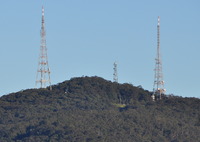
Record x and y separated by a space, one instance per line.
43 72
158 88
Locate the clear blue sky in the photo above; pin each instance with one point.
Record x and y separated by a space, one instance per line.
85 37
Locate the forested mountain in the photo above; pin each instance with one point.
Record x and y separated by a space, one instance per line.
91 109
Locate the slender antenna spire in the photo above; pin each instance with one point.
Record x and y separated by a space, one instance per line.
158 88
115 74
43 72
42 10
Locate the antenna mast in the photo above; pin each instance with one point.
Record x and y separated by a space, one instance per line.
43 72
158 88
115 75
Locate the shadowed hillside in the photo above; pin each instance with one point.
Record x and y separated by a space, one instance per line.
91 109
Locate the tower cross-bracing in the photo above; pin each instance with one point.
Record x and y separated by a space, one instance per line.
115 74
43 72
158 88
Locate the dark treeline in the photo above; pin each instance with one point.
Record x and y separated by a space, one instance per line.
91 109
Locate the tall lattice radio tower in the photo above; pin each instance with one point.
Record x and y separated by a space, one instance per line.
158 88
43 72
115 74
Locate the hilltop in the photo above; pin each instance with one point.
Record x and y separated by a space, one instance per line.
92 109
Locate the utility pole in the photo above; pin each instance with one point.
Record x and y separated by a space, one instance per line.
158 88
43 72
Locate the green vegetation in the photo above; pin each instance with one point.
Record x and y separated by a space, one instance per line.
120 105
87 110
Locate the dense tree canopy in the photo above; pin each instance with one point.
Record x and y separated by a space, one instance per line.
92 109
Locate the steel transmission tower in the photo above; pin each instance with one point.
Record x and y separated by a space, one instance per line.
115 74
43 72
158 88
